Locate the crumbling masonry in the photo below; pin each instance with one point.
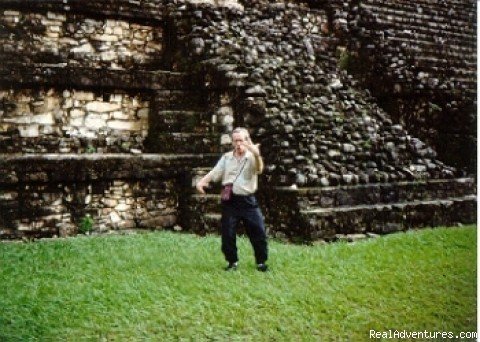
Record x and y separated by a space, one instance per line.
364 109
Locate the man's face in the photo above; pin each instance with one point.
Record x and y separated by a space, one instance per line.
238 141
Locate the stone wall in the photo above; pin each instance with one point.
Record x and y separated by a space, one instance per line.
171 78
328 213
419 61
78 86
58 210
320 127
79 41
50 194
71 121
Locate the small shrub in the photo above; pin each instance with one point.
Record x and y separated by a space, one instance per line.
125 146
85 225
434 107
344 60
367 144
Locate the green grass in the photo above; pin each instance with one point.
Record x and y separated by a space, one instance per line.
167 286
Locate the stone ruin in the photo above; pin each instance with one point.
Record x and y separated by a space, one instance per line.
113 109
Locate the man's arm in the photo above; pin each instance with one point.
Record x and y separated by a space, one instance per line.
255 150
214 175
203 183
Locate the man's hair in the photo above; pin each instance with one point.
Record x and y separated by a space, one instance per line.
241 130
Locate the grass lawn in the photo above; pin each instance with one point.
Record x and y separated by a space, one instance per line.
167 286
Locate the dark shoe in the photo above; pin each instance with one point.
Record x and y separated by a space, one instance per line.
232 266
262 267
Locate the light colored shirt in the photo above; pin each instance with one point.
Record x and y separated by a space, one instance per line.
228 167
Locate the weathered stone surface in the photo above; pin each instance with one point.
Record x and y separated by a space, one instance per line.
102 107
62 168
90 125
87 77
418 78
85 42
11 73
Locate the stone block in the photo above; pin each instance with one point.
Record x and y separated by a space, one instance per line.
108 56
126 224
102 107
24 119
47 130
122 207
119 115
77 122
105 38
86 48
83 96
114 217
118 31
43 119
10 13
95 122
30 131
124 125
143 113
75 113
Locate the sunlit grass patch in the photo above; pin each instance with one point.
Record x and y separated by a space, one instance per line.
169 286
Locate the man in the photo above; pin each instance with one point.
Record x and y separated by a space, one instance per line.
240 167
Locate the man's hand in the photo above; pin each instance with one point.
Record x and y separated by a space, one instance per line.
254 148
200 185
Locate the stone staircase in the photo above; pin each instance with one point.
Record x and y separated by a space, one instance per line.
202 213
181 122
332 212
132 174
112 134
426 22
416 55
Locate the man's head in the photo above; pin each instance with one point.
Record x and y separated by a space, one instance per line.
239 137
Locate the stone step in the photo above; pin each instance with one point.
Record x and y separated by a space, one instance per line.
324 212
212 189
202 170
409 7
409 10
212 222
18 74
324 223
452 36
54 168
183 143
198 173
204 223
142 11
180 100
370 194
183 121
209 203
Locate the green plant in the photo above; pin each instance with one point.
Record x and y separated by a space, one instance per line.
340 118
344 60
367 144
126 146
434 107
86 224
90 149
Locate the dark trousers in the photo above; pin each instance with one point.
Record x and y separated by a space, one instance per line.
243 208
